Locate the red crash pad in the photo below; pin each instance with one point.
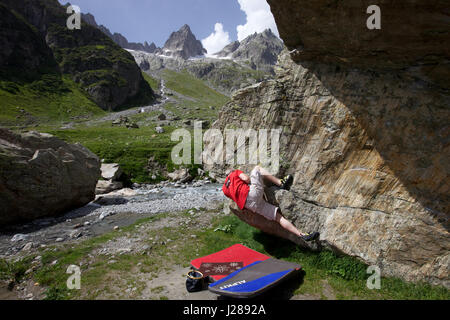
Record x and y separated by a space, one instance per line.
220 264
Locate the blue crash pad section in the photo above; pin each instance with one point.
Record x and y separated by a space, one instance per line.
257 284
254 278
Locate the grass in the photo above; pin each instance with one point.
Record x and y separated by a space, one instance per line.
345 275
197 100
49 99
154 83
14 270
87 57
197 96
131 148
186 84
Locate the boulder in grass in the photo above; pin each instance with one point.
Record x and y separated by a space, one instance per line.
41 175
111 171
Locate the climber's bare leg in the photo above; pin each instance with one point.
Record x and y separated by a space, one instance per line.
286 224
266 175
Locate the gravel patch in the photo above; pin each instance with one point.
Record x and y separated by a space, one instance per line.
118 211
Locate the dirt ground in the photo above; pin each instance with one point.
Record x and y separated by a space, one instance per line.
167 282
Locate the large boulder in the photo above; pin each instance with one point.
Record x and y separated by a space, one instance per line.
364 131
41 175
411 35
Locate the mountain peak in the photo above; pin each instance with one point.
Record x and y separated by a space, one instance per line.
260 49
268 32
183 44
89 19
184 31
185 28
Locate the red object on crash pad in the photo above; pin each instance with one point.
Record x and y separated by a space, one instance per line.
236 253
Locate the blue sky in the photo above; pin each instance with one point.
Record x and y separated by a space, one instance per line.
155 20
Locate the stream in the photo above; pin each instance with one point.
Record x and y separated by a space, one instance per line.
156 106
118 209
115 210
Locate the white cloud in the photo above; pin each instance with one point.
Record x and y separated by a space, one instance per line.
259 18
217 40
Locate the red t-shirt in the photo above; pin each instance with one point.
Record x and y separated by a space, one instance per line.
236 189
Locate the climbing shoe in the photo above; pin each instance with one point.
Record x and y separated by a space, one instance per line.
311 236
286 182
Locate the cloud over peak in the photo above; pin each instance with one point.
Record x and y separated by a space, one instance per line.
259 18
217 40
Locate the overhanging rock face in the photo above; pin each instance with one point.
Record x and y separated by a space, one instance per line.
364 132
411 37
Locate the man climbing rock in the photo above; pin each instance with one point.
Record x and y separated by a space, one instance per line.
248 192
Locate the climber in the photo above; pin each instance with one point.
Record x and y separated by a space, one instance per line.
248 192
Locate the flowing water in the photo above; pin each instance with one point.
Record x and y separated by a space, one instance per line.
102 216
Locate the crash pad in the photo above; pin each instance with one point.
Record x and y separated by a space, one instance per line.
222 263
254 279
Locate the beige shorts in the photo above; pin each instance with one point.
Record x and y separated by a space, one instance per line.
255 199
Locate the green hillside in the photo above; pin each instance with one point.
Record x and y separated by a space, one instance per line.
47 100
132 148
38 51
72 83
195 98
186 84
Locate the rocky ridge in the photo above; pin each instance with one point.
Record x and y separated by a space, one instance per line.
259 50
106 72
183 44
224 75
238 65
118 38
23 52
